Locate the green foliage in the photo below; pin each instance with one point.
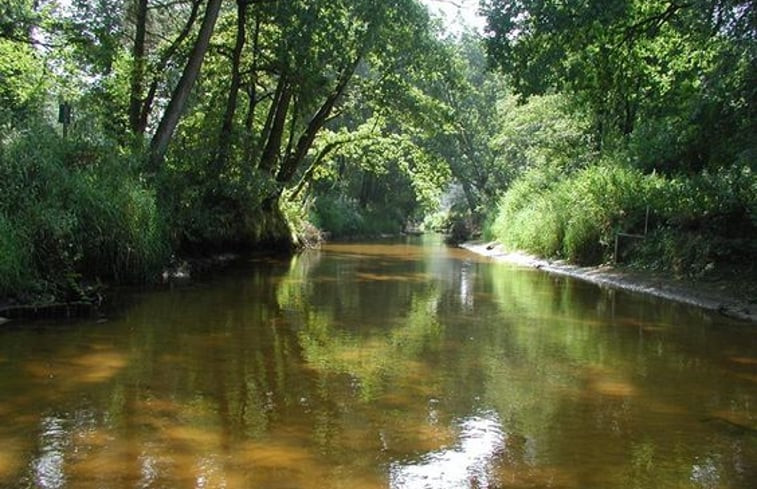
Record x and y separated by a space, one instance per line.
469 94
640 104
211 214
546 130
16 19
339 217
15 273
75 212
120 232
575 217
343 217
527 217
362 119
373 181
22 82
309 116
685 66
695 220
702 220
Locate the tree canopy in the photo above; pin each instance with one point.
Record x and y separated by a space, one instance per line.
690 64
242 124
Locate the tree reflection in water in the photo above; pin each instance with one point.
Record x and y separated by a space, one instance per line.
404 366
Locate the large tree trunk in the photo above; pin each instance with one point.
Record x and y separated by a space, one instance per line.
138 70
224 139
157 70
170 120
305 142
253 102
277 117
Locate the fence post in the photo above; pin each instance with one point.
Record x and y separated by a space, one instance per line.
633 236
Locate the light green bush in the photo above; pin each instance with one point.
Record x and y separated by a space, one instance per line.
693 219
342 217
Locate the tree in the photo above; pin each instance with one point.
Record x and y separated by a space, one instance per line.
138 70
17 19
224 139
472 99
332 47
167 125
628 60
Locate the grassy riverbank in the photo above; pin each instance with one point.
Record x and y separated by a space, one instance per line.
687 225
71 212
77 213
692 236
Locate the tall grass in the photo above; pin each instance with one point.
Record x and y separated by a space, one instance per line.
69 210
577 216
15 273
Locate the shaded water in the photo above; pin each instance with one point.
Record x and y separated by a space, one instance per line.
394 365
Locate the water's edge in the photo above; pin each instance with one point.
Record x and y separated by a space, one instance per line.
722 300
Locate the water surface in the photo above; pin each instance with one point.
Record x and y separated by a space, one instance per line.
399 364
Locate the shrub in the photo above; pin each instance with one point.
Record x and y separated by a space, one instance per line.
72 209
15 273
119 231
343 217
693 220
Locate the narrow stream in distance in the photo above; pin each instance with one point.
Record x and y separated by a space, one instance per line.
399 364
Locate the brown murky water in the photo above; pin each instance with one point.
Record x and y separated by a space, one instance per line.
395 365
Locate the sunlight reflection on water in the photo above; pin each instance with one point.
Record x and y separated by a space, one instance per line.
48 467
467 465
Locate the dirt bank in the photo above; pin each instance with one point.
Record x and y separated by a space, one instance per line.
731 297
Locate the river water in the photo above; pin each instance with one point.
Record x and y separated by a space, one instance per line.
398 364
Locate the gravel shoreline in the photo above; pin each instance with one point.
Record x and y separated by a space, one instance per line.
720 297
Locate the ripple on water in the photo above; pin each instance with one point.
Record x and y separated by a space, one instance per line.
48 466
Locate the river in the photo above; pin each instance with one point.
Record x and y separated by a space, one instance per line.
399 364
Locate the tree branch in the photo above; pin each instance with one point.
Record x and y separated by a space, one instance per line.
308 175
653 23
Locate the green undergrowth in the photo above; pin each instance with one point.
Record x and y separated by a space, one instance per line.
344 217
695 221
71 210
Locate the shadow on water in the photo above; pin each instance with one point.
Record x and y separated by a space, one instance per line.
403 364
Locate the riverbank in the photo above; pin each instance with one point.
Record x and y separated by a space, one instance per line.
179 271
731 297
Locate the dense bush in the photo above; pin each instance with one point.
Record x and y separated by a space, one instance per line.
68 210
711 216
342 217
14 258
549 130
210 214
